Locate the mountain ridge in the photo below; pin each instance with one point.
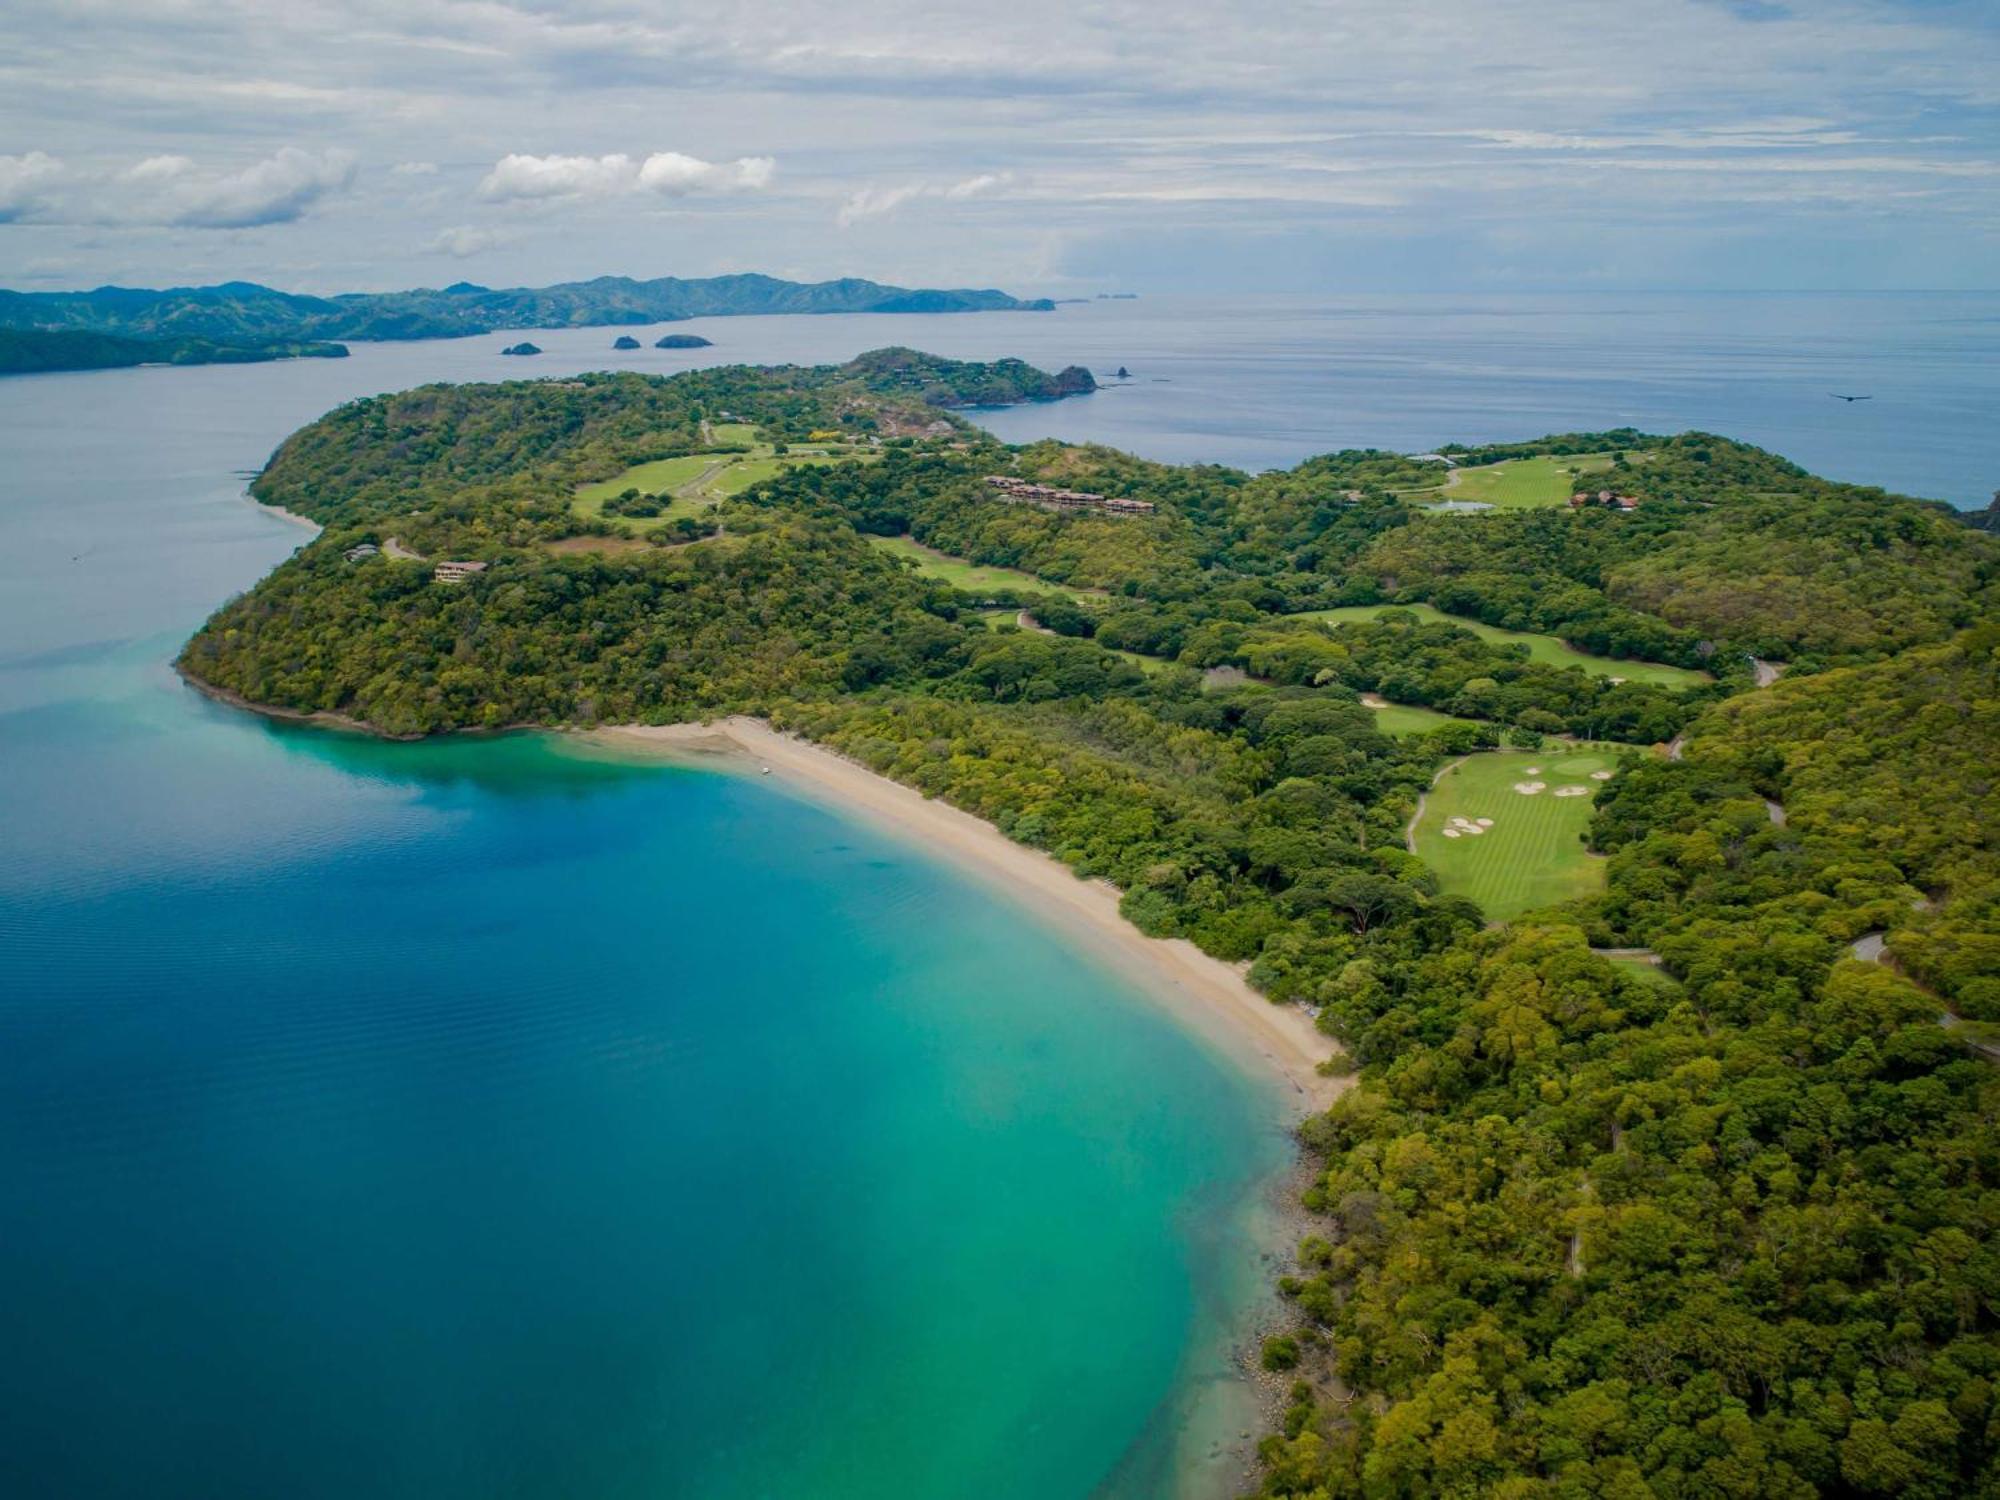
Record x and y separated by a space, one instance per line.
248 312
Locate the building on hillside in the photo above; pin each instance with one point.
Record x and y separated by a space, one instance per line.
1605 498
1051 497
457 572
357 553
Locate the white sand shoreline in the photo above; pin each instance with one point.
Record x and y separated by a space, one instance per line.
281 513
1208 994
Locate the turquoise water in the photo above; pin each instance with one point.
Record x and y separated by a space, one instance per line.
480 1119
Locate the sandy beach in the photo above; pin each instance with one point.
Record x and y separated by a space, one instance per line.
1208 994
282 514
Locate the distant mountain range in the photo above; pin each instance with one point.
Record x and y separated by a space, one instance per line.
35 351
244 313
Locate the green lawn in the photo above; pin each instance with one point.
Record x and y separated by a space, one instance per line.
1542 648
731 434
659 477
1407 718
961 574
1526 483
696 481
1651 974
1533 854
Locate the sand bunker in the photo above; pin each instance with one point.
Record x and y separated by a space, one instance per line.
1529 788
1600 775
1450 833
1484 822
1572 791
1533 770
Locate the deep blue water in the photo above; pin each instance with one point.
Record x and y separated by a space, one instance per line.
474 1119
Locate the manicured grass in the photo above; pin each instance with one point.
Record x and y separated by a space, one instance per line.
747 471
1533 855
730 434
1526 483
961 574
656 478
1407 718
1542 648
1652 974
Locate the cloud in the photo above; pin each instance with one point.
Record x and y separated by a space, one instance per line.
519 177
414 169
873 202
23 182
172 191
462 240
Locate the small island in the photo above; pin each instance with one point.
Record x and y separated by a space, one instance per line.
624 341
522 348
683 341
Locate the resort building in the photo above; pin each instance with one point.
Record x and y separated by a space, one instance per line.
1049 497
365 549
457 572
1604 498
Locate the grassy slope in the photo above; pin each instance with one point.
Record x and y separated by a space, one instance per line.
1542 648
1407 718
1525 483
1533 855
959 573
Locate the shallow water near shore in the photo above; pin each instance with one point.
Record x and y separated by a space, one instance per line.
470 1119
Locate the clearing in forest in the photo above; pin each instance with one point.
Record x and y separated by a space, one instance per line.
1542 648
1527 483
1506 827
1406 718
690 483
960 574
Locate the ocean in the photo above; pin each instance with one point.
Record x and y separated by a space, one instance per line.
483 1118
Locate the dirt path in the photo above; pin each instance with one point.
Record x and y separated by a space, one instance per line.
1028 622
1410 831
1767 672
697 486
396 549
1775 812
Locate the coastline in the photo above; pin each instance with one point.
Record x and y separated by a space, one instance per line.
1211 995
282 514
1228 1400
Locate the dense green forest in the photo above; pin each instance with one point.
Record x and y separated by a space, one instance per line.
241 312
26 351
1726 1227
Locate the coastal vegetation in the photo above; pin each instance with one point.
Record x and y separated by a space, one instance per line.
1724 1226
30 351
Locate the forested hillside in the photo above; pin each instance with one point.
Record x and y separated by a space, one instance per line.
1720 1224
242 312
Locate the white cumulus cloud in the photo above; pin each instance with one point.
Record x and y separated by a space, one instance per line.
173 190
521 177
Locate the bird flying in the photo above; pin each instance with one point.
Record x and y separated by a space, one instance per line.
1838 397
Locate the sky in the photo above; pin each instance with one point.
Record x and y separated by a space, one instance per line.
1057 147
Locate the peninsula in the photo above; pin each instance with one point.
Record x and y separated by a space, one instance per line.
29 351
1687 1164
